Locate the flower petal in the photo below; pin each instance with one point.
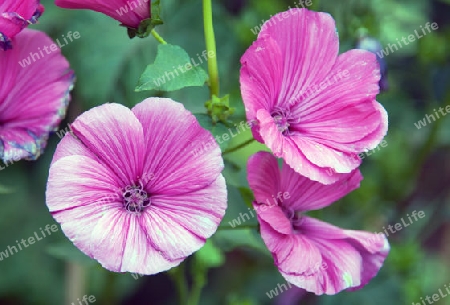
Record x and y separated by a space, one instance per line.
119 243
139 255
306 194
263 175
79 191
33 97
351 258
326 157
345 112
259 82
285 147
71 146
309 45
179 225
121 10
120 146
182 156
293 253
15 16
81 181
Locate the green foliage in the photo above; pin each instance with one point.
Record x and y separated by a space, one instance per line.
172 70
217 129
219 108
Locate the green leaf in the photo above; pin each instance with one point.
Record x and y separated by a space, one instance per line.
210 256
218 130
172 70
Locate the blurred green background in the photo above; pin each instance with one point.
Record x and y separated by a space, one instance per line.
411 173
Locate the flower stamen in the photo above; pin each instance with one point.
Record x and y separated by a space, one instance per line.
282 120
135 199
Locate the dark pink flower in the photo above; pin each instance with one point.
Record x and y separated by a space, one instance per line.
312 107
309 253
15 15
129 12
126 192
34 95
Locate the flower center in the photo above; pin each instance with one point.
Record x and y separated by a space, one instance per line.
135 199
295 217
281 119
281 122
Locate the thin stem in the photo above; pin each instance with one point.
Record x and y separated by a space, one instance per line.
199 282
179 279
158 37
210 40
233 149
220 228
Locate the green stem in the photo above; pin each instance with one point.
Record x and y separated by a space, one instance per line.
233 149
237 227
199 281
158 37
177 275
210 40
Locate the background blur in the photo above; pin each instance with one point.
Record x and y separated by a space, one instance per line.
411 173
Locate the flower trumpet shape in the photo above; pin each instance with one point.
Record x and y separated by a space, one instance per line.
312 107
309 253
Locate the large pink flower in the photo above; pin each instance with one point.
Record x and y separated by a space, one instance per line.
129 12
128 191
15 15
309 253
312 107
34 94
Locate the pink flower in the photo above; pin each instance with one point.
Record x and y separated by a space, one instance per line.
34 95
312 107
161 202
16 15
309 253
129 12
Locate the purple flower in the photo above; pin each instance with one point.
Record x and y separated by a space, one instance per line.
15 15
34 95
126 192
312 107
309 253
